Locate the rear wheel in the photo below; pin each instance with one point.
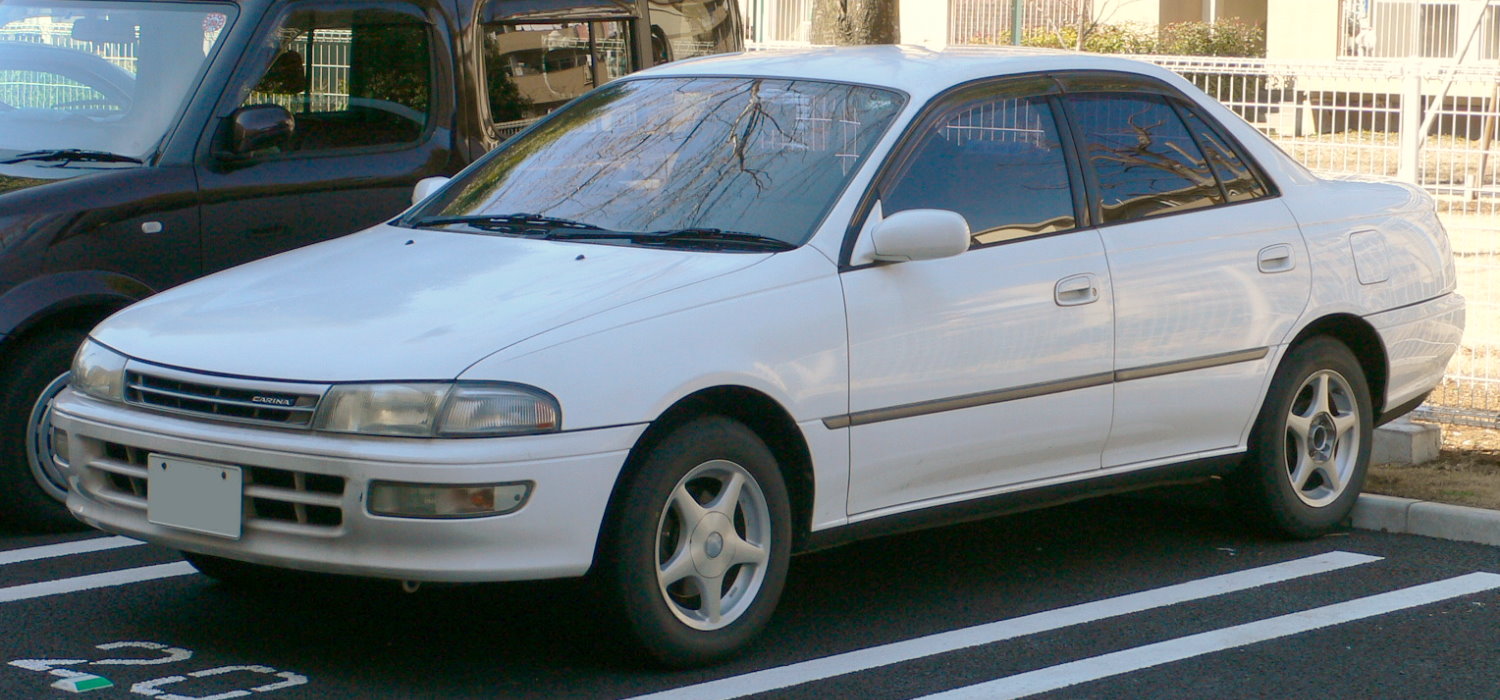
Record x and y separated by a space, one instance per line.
698 551
1310 447
33 479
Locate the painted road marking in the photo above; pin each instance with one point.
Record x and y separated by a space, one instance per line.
92 581
1085 670
93 544
943 642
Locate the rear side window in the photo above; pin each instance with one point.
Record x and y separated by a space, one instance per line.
1240 182
1145 160
997 161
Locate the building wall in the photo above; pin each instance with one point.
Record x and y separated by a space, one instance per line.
1302 30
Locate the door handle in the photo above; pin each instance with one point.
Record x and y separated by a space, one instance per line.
1276 258
1076 290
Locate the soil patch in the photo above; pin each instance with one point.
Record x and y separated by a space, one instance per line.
1466 472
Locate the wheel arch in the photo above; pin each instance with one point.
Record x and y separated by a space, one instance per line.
1362 339
77 299
759 412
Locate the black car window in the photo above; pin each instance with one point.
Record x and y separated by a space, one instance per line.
1240 182
997 161
350 78
531 69
1145 161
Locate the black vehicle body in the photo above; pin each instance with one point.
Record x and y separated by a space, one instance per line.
82 236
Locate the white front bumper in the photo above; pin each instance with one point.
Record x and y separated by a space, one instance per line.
297 515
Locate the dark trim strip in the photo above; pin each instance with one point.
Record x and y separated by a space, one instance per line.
1205 362
985 398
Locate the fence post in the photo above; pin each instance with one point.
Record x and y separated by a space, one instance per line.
1411 124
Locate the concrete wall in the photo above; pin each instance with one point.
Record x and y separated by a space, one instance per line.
1302 30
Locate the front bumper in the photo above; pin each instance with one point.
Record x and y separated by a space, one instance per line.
304 500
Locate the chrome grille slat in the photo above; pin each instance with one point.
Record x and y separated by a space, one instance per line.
281 404
271 493
219 399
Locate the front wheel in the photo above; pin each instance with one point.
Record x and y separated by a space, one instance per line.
33 475
1311 444
698 550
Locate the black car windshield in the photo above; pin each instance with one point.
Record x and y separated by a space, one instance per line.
98 82
761 157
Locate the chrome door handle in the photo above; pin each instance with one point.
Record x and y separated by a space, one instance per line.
1276 258
1076 290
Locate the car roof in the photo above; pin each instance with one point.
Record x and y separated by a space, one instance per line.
916 70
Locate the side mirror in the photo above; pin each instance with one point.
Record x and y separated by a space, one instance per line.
920 234
254 127
426 186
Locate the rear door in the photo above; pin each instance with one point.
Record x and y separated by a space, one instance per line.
1209 268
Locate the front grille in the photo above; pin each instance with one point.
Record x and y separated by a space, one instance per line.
270 494
240 401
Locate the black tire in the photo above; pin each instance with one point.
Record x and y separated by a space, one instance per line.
670 619
1301 478
31 495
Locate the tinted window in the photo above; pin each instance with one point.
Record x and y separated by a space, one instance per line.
350 78
998 162
531 69
687 28
1145 160
1238 179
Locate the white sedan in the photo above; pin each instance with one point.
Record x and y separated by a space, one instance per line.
730 309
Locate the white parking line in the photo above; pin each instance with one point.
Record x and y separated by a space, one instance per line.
1082 671
943 642
93 544
104 580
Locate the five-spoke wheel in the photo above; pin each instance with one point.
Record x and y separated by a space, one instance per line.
696 552
1311 444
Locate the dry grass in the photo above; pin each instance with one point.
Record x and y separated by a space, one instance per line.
1466 472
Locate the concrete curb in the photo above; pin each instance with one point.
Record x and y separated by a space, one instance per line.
1413 517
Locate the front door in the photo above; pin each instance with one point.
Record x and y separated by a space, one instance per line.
992 368
359 82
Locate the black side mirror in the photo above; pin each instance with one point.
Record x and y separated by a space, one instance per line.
255 127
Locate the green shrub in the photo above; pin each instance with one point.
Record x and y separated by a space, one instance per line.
1105 38
1226 38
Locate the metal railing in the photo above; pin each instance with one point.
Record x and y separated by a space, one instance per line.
1434 29
989 21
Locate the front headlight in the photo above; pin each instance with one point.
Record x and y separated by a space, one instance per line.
98 372
462 409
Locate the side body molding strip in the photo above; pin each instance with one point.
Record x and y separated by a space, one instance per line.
984 398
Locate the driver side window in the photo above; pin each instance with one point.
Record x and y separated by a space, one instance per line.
350 78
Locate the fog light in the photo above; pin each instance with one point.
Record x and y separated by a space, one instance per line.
443 501
59 442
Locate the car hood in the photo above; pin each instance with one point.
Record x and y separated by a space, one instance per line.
394 304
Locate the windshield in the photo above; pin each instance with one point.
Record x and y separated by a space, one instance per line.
757 156
99 76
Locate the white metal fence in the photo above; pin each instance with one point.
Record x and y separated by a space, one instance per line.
1436 29
989 21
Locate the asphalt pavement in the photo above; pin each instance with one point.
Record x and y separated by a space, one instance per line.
1118 597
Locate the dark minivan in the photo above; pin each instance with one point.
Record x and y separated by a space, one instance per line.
145 143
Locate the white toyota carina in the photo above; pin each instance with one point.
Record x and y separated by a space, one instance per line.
730 309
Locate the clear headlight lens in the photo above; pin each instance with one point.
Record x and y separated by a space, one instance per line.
98 372
437 409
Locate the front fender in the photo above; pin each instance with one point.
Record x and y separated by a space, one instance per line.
42 297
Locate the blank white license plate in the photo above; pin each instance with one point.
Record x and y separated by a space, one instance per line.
192 495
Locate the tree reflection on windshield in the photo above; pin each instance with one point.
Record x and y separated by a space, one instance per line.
756 155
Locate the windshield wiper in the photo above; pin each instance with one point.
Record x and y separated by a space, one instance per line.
506 223
70 155
683 237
